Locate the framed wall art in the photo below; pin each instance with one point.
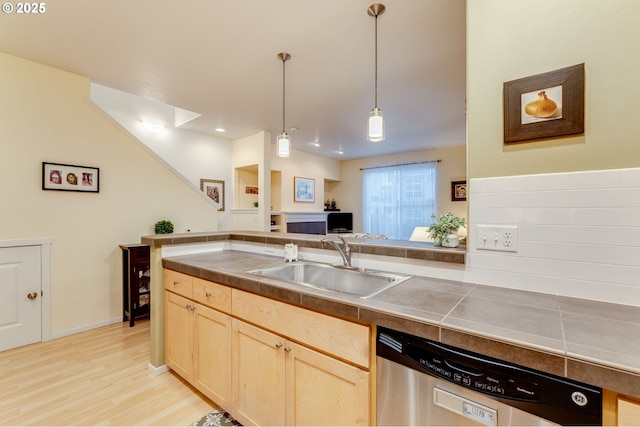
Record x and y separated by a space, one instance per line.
58 176
458 191
303 189
214 189
545 105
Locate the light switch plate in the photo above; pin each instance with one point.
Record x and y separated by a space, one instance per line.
502 238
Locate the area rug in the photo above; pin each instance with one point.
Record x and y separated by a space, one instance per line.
217 417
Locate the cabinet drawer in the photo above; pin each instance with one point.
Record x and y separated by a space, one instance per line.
178 283
212 294
346 340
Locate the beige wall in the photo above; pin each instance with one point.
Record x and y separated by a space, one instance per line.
45 116
507 40
303 165
348 192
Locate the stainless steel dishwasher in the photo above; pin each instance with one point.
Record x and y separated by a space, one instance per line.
425 383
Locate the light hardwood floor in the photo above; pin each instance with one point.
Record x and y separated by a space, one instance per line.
98 377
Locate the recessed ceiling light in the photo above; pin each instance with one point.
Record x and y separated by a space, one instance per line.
315 144
339 152
220 130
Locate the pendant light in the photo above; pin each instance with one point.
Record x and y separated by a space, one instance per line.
283 144
375 129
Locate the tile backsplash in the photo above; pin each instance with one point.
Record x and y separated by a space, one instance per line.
578 233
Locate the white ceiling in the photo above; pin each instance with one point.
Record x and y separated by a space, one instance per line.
218 58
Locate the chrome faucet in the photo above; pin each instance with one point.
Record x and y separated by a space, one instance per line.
343 248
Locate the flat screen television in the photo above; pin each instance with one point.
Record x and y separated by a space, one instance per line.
339 222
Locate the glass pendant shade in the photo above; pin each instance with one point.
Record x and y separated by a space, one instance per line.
376 126
284 145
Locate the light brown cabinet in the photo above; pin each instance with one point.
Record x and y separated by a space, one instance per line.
271 363
620 410
179 319
258 375
279 382
197 337
628 412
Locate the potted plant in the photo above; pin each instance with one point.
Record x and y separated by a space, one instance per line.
443 231
163 227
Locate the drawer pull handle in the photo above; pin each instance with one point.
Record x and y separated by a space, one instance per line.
207 294
176 282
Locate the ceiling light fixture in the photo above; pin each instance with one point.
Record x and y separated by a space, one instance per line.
283 144
153 127
375 130
221 130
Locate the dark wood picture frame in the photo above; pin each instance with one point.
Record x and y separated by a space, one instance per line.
458 191
63 177
568 120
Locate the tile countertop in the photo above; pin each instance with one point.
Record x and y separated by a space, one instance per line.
594 342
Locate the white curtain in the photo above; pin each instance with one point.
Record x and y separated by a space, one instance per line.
398 198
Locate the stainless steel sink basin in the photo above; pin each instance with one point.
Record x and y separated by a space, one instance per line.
329 277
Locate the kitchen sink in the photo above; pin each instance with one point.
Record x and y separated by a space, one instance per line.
331 277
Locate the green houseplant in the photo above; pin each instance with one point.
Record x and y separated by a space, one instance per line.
446 225
163 227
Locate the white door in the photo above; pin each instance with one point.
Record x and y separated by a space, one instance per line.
20 296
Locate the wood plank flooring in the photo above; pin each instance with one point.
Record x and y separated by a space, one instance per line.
98 377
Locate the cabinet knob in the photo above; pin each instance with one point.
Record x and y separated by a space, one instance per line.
207 294
287 349
32 295
176 282
278 345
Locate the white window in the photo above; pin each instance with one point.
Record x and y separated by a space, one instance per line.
398 198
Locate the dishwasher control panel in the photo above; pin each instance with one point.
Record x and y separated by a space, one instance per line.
481 379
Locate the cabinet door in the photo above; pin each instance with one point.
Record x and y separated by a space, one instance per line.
324 391
258 376
179 334
628 412
212 351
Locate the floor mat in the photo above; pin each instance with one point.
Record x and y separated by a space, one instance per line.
217 417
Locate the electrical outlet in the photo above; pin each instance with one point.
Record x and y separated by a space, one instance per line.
497 237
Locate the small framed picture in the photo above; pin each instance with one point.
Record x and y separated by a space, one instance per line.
458 191
544 105
214 189
303 189
58 176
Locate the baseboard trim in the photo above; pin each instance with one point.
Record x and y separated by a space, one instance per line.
155 371
83 328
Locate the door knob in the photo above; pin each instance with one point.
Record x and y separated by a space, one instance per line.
32 295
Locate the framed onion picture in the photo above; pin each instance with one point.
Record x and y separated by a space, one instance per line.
544 105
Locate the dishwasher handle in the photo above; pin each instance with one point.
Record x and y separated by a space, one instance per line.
464 407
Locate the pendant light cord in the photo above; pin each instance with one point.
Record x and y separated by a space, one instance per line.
376 73
283 80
